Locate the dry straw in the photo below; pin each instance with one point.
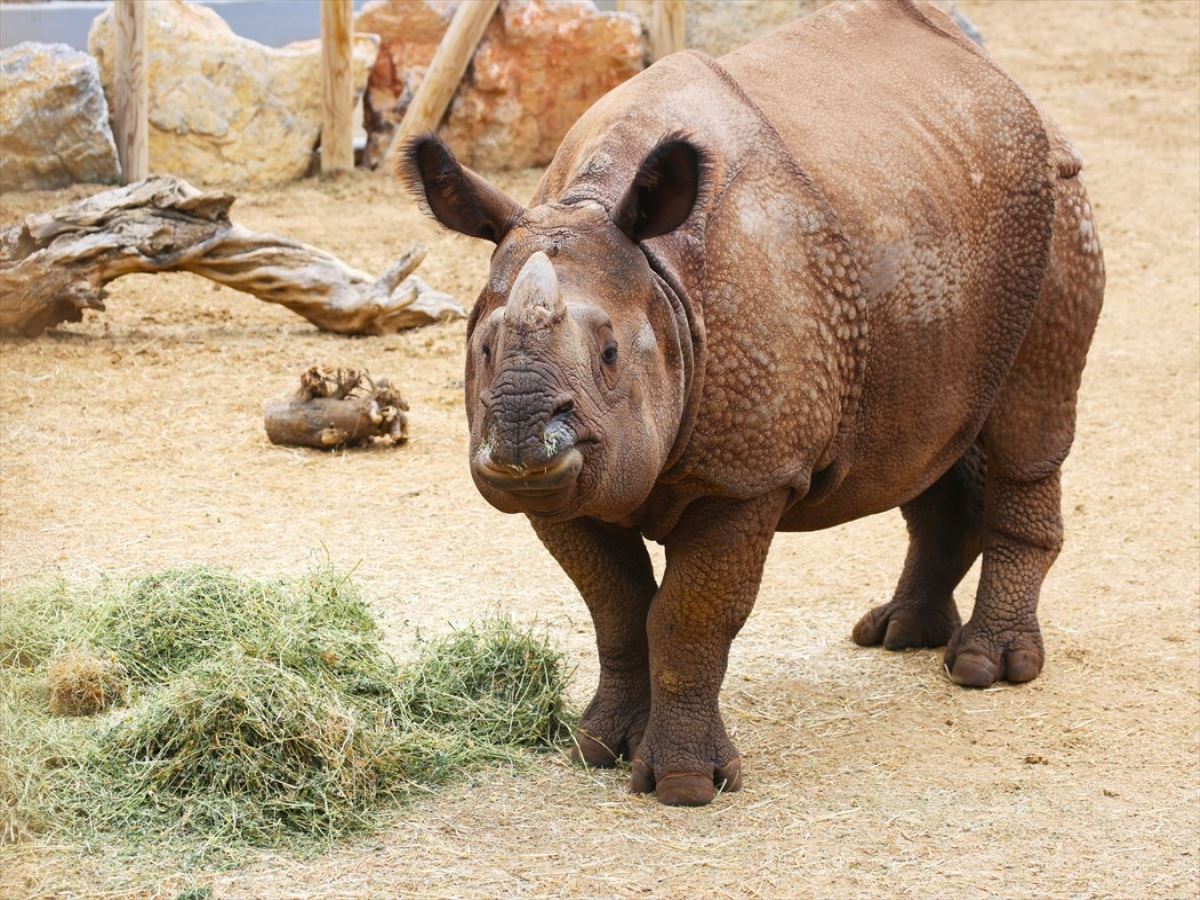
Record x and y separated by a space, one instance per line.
83 684
258 711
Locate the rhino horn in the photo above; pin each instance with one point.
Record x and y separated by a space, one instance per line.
536 301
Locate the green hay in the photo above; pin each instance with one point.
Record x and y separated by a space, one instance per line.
260 711
38 757
39 622
21 765
167 622
494 681
242 746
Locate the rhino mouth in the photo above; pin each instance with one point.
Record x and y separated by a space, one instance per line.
531 482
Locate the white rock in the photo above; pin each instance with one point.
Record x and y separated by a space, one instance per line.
225 109
54 127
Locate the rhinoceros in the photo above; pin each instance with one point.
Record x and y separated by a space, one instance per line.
847 267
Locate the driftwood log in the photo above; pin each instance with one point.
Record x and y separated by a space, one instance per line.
338 408
55 265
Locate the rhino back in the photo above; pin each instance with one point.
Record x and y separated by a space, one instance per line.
864 258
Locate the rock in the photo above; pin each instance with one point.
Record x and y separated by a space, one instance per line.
225 109
54 127
538 67
718 26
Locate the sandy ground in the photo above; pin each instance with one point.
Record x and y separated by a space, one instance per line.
134 440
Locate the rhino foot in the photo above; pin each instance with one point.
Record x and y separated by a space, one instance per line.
904 623
597 752
686 779
978 658
686 788
612 727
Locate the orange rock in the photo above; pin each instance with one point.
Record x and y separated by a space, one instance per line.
538 67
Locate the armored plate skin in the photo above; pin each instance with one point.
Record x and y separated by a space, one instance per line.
847 267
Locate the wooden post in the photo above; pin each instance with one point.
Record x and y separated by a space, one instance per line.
445 72
131 91
337 79
666 28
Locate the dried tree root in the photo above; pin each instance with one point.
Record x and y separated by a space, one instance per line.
55 265
338 408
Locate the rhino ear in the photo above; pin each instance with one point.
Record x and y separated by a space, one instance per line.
456 196
663 191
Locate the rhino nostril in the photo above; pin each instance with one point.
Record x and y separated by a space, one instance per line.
563 408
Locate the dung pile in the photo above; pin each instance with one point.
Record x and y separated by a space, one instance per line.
238 710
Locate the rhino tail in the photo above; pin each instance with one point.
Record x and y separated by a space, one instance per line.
1067 160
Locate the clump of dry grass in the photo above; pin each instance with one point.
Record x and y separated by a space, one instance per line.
83 684
258 711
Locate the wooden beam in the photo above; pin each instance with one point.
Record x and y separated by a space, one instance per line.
337 79
666 28
445 72
131 91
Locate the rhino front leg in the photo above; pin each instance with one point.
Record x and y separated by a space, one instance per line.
612 571
715 560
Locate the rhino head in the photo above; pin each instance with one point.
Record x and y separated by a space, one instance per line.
578 354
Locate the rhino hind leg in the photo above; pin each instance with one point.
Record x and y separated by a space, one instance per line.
1027 436
945 536
1023 534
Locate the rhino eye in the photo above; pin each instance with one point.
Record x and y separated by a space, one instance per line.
609 356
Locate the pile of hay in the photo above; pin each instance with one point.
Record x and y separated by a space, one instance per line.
254 711
497 683
240 745
162 624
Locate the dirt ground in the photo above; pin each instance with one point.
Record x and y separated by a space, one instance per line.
134 440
